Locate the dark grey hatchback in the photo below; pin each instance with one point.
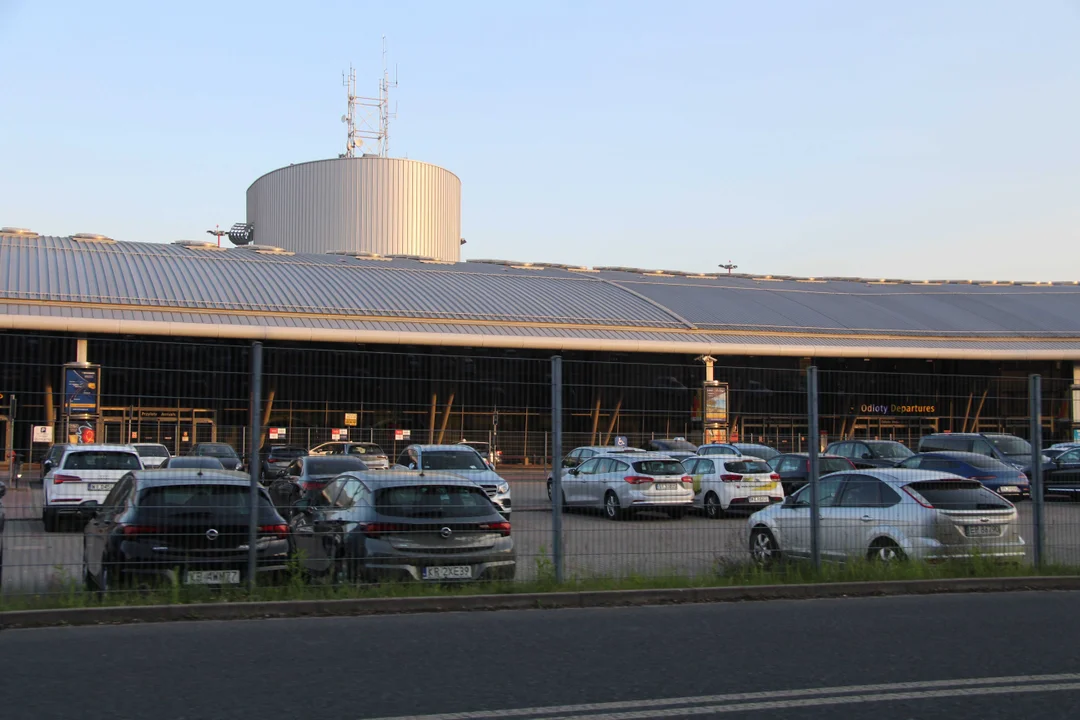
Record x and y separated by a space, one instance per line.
390 525
185 525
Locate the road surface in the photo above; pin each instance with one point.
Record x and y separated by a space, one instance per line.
955 657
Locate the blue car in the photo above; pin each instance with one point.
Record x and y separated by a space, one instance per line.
1006 480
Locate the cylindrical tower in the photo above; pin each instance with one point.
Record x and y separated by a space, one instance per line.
388 206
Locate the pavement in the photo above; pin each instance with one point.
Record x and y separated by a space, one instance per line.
946 656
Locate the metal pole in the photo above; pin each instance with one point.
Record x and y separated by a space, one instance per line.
1038 501
13 470
253 457
812 447
556 467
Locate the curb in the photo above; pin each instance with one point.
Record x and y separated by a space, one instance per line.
524 601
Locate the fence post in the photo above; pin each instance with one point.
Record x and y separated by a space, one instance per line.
253 457
556 467
812 447
1038 501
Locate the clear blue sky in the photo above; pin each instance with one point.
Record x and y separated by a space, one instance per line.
919 139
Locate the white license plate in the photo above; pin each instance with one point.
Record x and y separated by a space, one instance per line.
758 499
100 487
1008 490
212 577
982 530
665 486
448 572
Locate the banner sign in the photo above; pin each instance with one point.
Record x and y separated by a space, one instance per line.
81 389
716 403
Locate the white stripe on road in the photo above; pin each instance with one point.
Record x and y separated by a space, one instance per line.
555 710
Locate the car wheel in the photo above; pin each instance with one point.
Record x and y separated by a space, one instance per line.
764 549
713 509
611 507
50 520
885 551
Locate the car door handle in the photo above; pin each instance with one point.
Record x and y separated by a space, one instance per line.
866 518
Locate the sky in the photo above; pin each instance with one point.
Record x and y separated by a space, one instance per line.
924 140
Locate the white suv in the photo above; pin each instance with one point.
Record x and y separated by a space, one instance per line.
84 473
724 484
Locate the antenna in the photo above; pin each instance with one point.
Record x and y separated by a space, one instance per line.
368 118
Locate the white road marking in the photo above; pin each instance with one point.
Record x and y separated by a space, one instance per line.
921 686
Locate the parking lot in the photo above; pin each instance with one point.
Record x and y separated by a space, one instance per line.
40 562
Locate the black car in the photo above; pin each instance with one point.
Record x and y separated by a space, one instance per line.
677 448
1062 476
191 462
186 526
223 452
276 462
794 468
866 454
397 526
310 474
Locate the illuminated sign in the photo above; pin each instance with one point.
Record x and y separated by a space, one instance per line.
897 409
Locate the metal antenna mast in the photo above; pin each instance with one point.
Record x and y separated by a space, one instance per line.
368 118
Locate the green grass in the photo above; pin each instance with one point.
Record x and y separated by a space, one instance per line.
70 594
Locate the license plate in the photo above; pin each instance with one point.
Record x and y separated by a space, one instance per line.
100 487
1008 490
664 486
448 572
759 499
982 530
213 577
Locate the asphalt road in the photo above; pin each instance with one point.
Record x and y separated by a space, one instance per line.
957 656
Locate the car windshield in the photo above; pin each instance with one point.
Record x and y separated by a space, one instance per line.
287 452
718 450
958 495
151 451
1010 444
334 465
452 460
197 500
434 501
890 450
762 451
831 465
659 467
218 451
366 449
102 460
205 463
747 467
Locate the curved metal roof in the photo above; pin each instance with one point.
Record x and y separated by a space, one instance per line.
243 286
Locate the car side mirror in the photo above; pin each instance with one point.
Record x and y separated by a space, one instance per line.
574 472
46 466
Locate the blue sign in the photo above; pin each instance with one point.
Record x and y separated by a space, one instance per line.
620 441
81 387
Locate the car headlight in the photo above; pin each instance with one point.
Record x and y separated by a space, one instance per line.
503 487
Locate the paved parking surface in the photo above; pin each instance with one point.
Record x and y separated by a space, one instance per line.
40 562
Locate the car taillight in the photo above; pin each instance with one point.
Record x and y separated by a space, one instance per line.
731 478
374 530
774 476
687 479
503 528
132 530
917 497
58 479
281 532
637 479
312 485
1023 477
981 478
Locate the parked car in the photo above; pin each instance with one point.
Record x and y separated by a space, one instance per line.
485 451
180 526
723 484
3 518
459 460
1009 449
870 453
621 484
310 474
677 448
223 452
757 450
1002 478
719 449
52 457
579 455
152 454
1065 445
83 477
373 456
276 462
365 527
889 514
794 468
191 462
1062 476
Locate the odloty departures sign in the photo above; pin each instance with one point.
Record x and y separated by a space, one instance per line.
897 408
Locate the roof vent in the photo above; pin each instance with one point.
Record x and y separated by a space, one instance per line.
93 238
411 257
198 244
489 261
15 232
264 249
